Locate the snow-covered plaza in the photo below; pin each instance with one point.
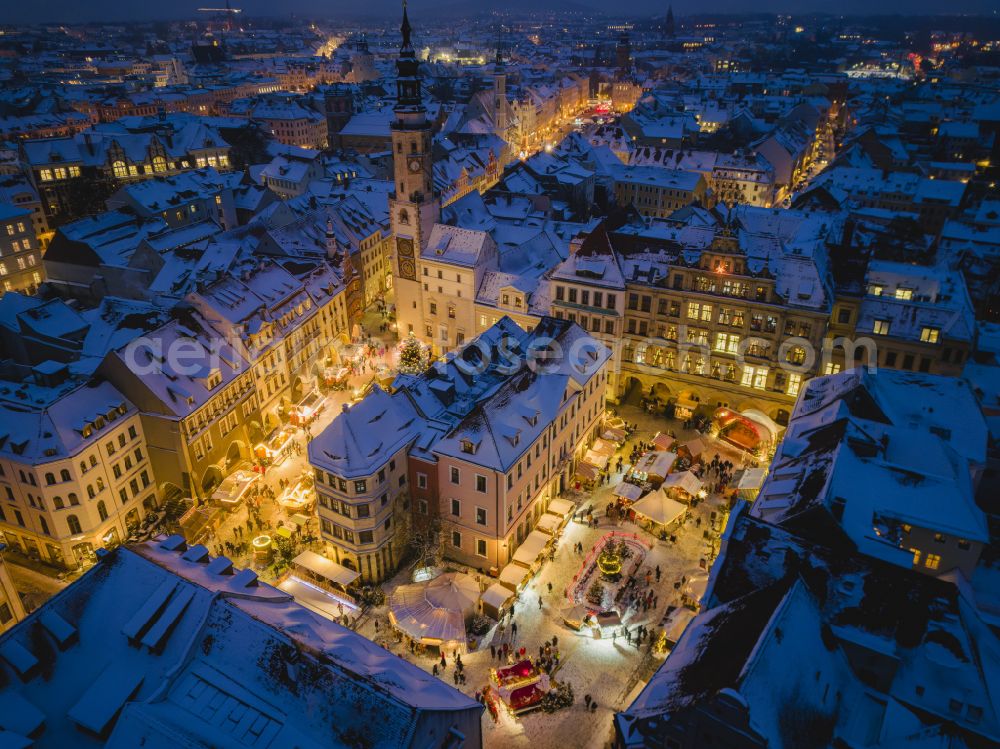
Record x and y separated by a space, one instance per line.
599 662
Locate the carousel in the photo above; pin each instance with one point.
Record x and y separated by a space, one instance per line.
434 613
751 430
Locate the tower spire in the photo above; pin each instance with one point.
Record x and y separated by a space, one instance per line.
405 30
407 67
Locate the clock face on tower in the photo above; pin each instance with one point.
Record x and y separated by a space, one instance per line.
407 269
404 245
415 165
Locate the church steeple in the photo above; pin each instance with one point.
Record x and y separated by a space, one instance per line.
407 68
669 25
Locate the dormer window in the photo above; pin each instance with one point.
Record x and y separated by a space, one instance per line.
214 380
468 446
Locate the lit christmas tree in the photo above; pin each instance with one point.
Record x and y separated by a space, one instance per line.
412 357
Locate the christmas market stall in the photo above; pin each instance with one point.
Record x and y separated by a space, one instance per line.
297 497
549 523
529 553
321 584
435 613
683 485
693 588
586 474
653 467
604 448
627 491
692 450
748 482
307 408
514 577
496 600
520 686
663 441
272 449
563 508
675 624
336 378
235 486
684 407
659 511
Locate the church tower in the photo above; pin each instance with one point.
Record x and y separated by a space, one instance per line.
669 25
414 207
500 108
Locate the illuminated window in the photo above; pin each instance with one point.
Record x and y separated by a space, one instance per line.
794 383
932 561
755 377
929 335
880 327
902 293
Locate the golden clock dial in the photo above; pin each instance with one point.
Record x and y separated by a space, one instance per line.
404 245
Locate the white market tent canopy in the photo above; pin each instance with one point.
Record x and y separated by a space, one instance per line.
532 547
656 464
548 523
685 481
325 568
513 576
628 491
434 612
496 596
561 507
660 508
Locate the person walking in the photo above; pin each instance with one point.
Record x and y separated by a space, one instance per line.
493 651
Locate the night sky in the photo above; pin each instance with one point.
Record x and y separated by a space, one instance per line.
120 10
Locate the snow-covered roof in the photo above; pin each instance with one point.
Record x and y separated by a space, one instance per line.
171 650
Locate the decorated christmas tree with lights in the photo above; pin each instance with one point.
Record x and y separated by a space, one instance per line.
412 357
